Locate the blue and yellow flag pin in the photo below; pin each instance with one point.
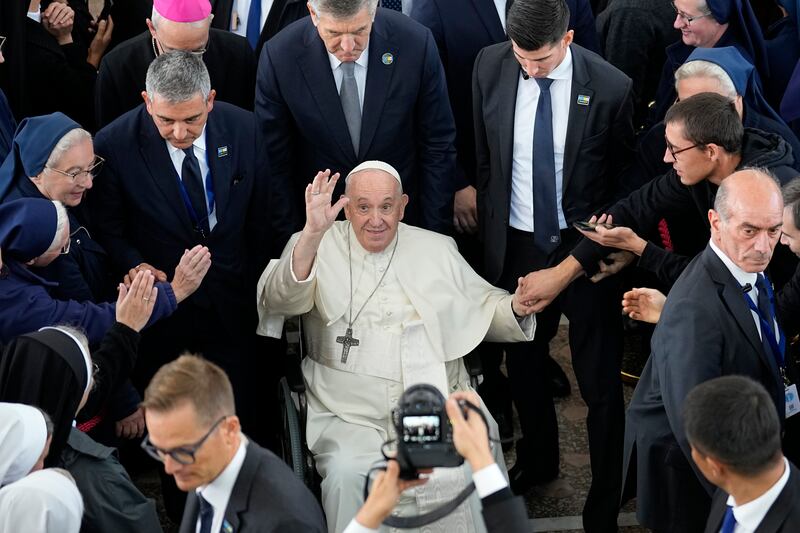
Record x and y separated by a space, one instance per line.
387 58
583 99
227 527
222 151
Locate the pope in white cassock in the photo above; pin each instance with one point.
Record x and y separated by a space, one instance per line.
384 306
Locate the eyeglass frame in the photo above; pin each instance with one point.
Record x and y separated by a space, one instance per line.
190 450
3 40
92 171
675 152
157 44
686 18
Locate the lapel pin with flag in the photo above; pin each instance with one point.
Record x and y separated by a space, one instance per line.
222 151
387 58
227 527
583 99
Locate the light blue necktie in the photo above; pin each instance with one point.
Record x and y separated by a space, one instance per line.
254 23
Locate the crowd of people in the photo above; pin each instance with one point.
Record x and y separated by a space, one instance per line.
421 182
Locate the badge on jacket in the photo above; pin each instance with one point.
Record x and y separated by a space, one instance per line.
583 99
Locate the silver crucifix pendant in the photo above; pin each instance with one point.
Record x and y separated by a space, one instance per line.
347 341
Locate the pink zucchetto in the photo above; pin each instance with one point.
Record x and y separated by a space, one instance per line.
183 10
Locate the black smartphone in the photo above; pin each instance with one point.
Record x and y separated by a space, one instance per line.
591 226
107 7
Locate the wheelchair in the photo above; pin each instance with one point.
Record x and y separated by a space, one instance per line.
294 408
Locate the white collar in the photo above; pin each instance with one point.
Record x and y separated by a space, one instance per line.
218 492
742 277
362 60
750 515
564 70
199 143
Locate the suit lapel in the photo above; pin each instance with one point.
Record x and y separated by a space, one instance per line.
577 113
379 77
490 19
733 298
316 68
782 506
507 97
240 495
718 506
156 157
189 521
218 164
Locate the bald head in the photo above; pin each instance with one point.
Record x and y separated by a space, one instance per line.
747 217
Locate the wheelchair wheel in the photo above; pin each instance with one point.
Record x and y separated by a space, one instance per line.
292 438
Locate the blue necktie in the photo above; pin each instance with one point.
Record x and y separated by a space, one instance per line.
195 187
254 23
397 5
206 514
729 522
546 235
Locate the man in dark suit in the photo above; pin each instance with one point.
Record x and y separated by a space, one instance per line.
350 84
461 29
583 141
178 174
735 437
184 25
274 15
234 485
717 321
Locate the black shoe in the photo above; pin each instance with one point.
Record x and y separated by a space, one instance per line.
559 384
506 427
521 480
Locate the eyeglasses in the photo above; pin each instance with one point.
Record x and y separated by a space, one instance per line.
675 152
686 18
158 45
90 173
2 42
184 454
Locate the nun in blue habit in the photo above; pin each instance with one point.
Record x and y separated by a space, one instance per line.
7 122
33 232
783 51
743 32
53 158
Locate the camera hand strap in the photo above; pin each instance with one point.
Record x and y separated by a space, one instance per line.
411 522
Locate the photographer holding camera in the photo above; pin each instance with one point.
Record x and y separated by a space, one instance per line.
502 511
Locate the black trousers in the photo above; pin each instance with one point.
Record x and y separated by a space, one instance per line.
595 338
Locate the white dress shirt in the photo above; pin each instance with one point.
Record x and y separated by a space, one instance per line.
218 492
360 73
199 147
749 516
500 6
743 278
521 216
241 10
488 480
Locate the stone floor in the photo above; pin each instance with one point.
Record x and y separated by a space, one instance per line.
548 514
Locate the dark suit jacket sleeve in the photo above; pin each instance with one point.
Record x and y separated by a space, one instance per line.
640 211
505 513
110 211
436 134
787 301
482 156
687 356
277 137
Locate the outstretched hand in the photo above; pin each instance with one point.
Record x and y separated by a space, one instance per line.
135 304
320 214
643 304
191 270
383 495
619 237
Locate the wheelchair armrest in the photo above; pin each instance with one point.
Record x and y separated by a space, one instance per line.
294 356
472 362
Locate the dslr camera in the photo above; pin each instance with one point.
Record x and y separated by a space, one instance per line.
424 432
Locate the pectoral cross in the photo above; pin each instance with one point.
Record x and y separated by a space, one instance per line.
347 341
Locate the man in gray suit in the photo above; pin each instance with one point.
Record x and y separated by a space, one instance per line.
717 321
234 484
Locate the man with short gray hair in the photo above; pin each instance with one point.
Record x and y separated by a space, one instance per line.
356 82
180 170
175 25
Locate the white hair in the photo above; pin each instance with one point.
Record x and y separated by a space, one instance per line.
177 76
343 9
70 139
62 221
707 69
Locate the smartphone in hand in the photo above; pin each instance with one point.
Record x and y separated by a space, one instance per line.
591 226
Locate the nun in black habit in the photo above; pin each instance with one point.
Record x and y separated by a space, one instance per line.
53 370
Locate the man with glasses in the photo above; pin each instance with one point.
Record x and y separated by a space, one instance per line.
234 485
175 25
705 144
